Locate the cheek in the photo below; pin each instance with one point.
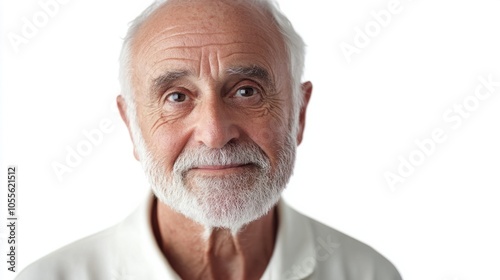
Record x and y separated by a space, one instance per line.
270 136
165 143
268 133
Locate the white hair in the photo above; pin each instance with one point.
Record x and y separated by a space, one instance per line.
216 202
231 201
294 47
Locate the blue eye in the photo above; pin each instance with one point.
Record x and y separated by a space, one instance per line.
177 97
246 91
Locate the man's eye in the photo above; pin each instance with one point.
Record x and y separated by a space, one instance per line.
246 91
177 97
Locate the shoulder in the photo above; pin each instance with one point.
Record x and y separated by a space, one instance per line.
115 253
340 256
76 260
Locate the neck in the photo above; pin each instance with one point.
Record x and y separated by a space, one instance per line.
197 253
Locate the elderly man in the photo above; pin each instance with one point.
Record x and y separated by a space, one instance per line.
214 105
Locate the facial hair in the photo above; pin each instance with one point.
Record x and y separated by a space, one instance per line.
224 201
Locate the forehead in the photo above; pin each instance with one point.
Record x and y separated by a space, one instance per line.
206 37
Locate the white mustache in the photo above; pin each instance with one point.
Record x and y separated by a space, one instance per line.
230 154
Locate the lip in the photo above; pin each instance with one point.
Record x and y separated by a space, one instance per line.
221 170
220 167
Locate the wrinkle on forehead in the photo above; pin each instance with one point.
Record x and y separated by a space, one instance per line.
184 54
180 25
168 37
207 16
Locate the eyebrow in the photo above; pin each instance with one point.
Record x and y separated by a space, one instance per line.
164 80
252 72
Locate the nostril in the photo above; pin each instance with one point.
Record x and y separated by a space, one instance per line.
216 134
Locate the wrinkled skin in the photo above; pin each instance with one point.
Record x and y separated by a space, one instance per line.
208 73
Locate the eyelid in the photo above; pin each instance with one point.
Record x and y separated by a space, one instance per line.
169 93
245 84
256 91
177 93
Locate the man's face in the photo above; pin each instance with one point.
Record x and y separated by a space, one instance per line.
214 108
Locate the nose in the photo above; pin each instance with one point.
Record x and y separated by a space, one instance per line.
216 126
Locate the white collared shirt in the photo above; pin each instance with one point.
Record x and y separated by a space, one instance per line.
304 249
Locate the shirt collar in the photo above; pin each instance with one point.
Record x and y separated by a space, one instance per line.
139 254
293 255
294 252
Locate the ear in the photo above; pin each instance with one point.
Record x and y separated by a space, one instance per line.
306 90
122 107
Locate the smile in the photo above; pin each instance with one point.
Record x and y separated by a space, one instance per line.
222 168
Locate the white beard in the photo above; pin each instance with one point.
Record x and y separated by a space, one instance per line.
229 201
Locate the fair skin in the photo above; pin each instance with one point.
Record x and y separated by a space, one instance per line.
209 73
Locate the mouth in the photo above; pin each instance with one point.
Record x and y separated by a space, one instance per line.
222 169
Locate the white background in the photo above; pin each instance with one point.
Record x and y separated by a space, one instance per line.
442 223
